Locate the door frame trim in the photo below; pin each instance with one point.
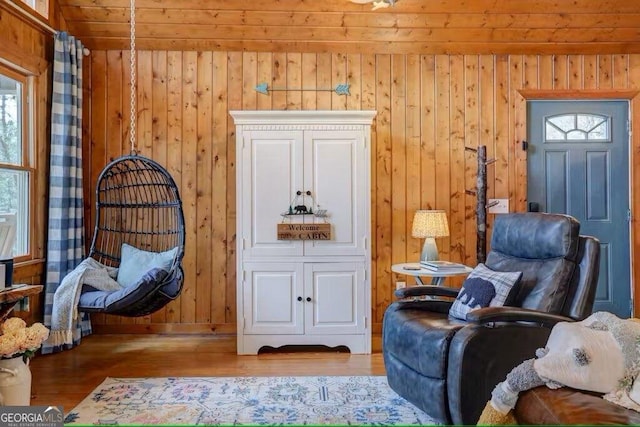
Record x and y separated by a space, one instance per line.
573 94
634 171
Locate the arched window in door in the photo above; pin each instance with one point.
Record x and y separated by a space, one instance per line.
577 127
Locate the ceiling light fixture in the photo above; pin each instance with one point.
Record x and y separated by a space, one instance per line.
376 4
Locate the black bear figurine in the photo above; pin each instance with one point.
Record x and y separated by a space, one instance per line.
300 209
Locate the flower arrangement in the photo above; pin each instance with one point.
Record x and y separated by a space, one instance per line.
17 339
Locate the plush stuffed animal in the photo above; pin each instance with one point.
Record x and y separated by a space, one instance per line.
600 353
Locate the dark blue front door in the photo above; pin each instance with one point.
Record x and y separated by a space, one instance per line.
578 164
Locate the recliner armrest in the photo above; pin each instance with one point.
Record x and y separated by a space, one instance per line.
417 291
514 314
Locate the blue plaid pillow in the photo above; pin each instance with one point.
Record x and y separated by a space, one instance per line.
484 288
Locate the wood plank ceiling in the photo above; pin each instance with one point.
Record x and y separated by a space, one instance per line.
411 26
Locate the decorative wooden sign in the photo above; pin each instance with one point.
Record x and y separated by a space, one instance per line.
304 231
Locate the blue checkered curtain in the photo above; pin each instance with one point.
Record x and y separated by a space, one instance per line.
65 245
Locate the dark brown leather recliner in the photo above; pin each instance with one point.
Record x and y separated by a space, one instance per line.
568 406
448 367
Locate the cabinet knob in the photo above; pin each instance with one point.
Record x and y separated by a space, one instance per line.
299 298
308 299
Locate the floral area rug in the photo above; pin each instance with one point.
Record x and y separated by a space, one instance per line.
363 400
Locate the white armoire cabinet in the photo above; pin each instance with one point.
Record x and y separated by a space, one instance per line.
303 292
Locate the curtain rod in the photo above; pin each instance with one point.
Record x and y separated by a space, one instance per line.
40 22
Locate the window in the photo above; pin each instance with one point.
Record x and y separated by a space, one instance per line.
16 171
577 127
40 6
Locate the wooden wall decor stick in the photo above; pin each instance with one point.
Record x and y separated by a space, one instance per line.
340 89
481 206
481 201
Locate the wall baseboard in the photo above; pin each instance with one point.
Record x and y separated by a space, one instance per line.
182 328
168 328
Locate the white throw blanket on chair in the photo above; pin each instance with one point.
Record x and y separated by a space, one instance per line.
65 300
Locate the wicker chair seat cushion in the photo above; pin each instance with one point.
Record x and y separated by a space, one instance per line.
94 300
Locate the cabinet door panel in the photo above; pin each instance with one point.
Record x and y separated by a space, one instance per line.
337 298
270 297
272 174
334 172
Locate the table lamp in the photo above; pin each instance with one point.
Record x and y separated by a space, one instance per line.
429 224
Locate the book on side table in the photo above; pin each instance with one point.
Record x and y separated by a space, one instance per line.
442 265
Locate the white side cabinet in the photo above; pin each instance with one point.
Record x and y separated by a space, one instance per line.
303 291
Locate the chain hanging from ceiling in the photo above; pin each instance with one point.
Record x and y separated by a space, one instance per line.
134 88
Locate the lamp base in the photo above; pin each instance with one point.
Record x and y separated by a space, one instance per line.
429 250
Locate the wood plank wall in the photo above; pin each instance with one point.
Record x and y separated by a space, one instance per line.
22 44
430 107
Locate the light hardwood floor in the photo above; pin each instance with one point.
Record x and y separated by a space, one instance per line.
66 378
